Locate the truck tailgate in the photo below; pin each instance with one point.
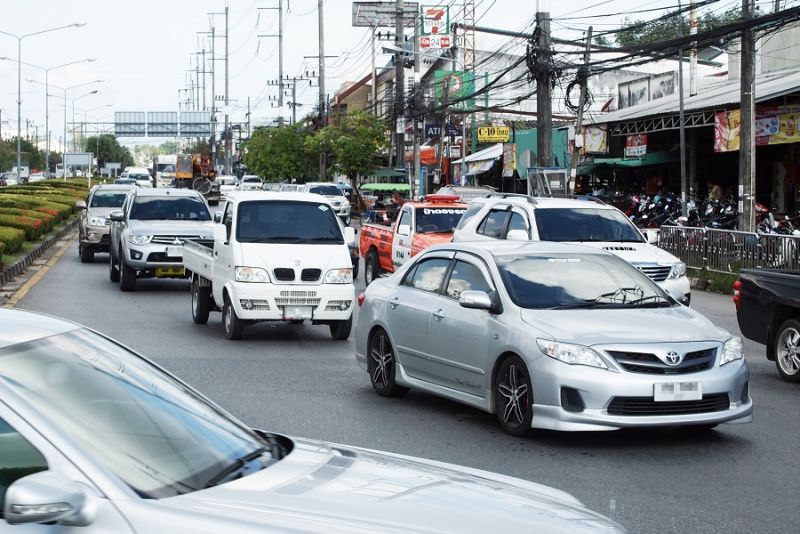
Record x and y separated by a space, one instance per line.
198 257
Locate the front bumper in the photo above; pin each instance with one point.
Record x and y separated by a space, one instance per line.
95 238
155 260
270 302
598 388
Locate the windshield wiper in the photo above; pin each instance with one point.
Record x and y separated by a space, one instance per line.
652 301
236 466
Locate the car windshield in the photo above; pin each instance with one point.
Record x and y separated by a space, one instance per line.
328 190
139 176
577 281
435 220
169 209
278 221
145 427
108 199
250 179
165 167
585 224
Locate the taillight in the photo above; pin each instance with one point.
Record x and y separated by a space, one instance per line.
737 287
361 298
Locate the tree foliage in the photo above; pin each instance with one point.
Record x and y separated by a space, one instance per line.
29 154
108 150
282 153
640 32
355 141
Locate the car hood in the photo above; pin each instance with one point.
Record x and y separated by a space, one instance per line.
99 212
637 325
634 253
202 228
320 487
295 256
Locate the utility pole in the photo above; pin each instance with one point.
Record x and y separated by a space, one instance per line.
693 51
422 187
227 101
374 80
248 117
279 35
682 127
747 149
584 78
544 105
399 87
323 121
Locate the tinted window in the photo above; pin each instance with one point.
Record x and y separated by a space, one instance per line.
18 459
470 212
428 275
518 222
279 221
492 225
435 220
169 209
466 277
585 224
330 190
108 199
576 280
405 218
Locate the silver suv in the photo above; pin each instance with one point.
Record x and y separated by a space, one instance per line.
94 224
587 221
147 234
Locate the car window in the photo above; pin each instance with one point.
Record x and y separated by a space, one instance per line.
169 209
292 222
517 222
492 225
585 224
107 199
470 213
466 277
405 218
329 190
428 275
18 459
437 220
227 219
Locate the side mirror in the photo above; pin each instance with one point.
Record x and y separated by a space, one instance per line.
217 216
80 204
220 233
46 497
404 229
475 300
349 235
117 215
518 235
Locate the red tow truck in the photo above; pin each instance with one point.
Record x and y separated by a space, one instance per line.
419 225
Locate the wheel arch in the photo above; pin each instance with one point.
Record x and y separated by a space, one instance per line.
780 314
498 362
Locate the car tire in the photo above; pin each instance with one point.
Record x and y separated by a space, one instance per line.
113 268
372 267
786 350
340 330
201 302
382 366
347 220
513 397
86 254
233 326
355 270
127 276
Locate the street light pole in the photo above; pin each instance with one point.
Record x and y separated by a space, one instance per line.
73 115
19 39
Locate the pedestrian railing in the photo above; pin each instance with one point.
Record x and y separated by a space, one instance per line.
729 251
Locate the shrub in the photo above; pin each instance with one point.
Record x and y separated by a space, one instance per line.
31 227
47 219
12 238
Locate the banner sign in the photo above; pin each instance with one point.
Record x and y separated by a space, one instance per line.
494 134
456 88
509 159
435 27
636 146
775 125
432 131
595 140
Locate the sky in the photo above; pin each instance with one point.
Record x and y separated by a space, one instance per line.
143 49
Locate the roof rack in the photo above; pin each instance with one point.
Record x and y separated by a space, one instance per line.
529 198
588 198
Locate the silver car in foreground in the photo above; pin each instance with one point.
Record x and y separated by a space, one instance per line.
95 436
548 335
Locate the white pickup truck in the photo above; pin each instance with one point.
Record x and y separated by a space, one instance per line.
274 257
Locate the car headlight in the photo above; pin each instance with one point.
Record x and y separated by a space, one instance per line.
571 354
678 270
339 276
252 274
97 221
731 351
139 239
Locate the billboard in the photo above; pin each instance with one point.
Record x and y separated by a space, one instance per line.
195 123
636 146
434 27
78 159
645 89
383 14
129 124
494 134
775 125
455 88
162 123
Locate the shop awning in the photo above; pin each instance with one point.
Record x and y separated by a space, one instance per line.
385 172
652 158
491 153
477 167
385 188
427 155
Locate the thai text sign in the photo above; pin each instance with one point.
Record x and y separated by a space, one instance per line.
493 134
636 146
775 125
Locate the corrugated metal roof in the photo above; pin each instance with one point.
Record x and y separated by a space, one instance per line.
710 95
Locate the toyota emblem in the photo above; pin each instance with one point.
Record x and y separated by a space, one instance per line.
673 358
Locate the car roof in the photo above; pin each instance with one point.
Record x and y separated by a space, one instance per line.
164 192
299 196
544 202
516 248
112 187
20 326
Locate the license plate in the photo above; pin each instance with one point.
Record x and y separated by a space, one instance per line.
175 252
678 391
170 272
297 312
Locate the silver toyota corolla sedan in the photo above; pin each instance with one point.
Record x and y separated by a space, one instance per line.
95 436
548 335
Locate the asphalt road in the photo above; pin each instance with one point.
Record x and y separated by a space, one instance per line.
296 380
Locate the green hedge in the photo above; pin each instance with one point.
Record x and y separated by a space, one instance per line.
48 221
12 239
58 210
32 227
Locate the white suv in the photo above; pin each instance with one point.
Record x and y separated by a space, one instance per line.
587 221
334 195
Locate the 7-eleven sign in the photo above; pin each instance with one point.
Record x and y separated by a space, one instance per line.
435 20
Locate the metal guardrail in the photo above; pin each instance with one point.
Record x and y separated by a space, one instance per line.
728 251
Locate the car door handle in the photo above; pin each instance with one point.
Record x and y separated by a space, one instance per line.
394 302
439 314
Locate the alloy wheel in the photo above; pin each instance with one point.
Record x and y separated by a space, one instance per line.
513 388
383 361
788 351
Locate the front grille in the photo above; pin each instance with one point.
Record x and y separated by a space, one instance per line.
284 274
636 406
657 273
298 298
638 362
310 275
161 257
170 239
